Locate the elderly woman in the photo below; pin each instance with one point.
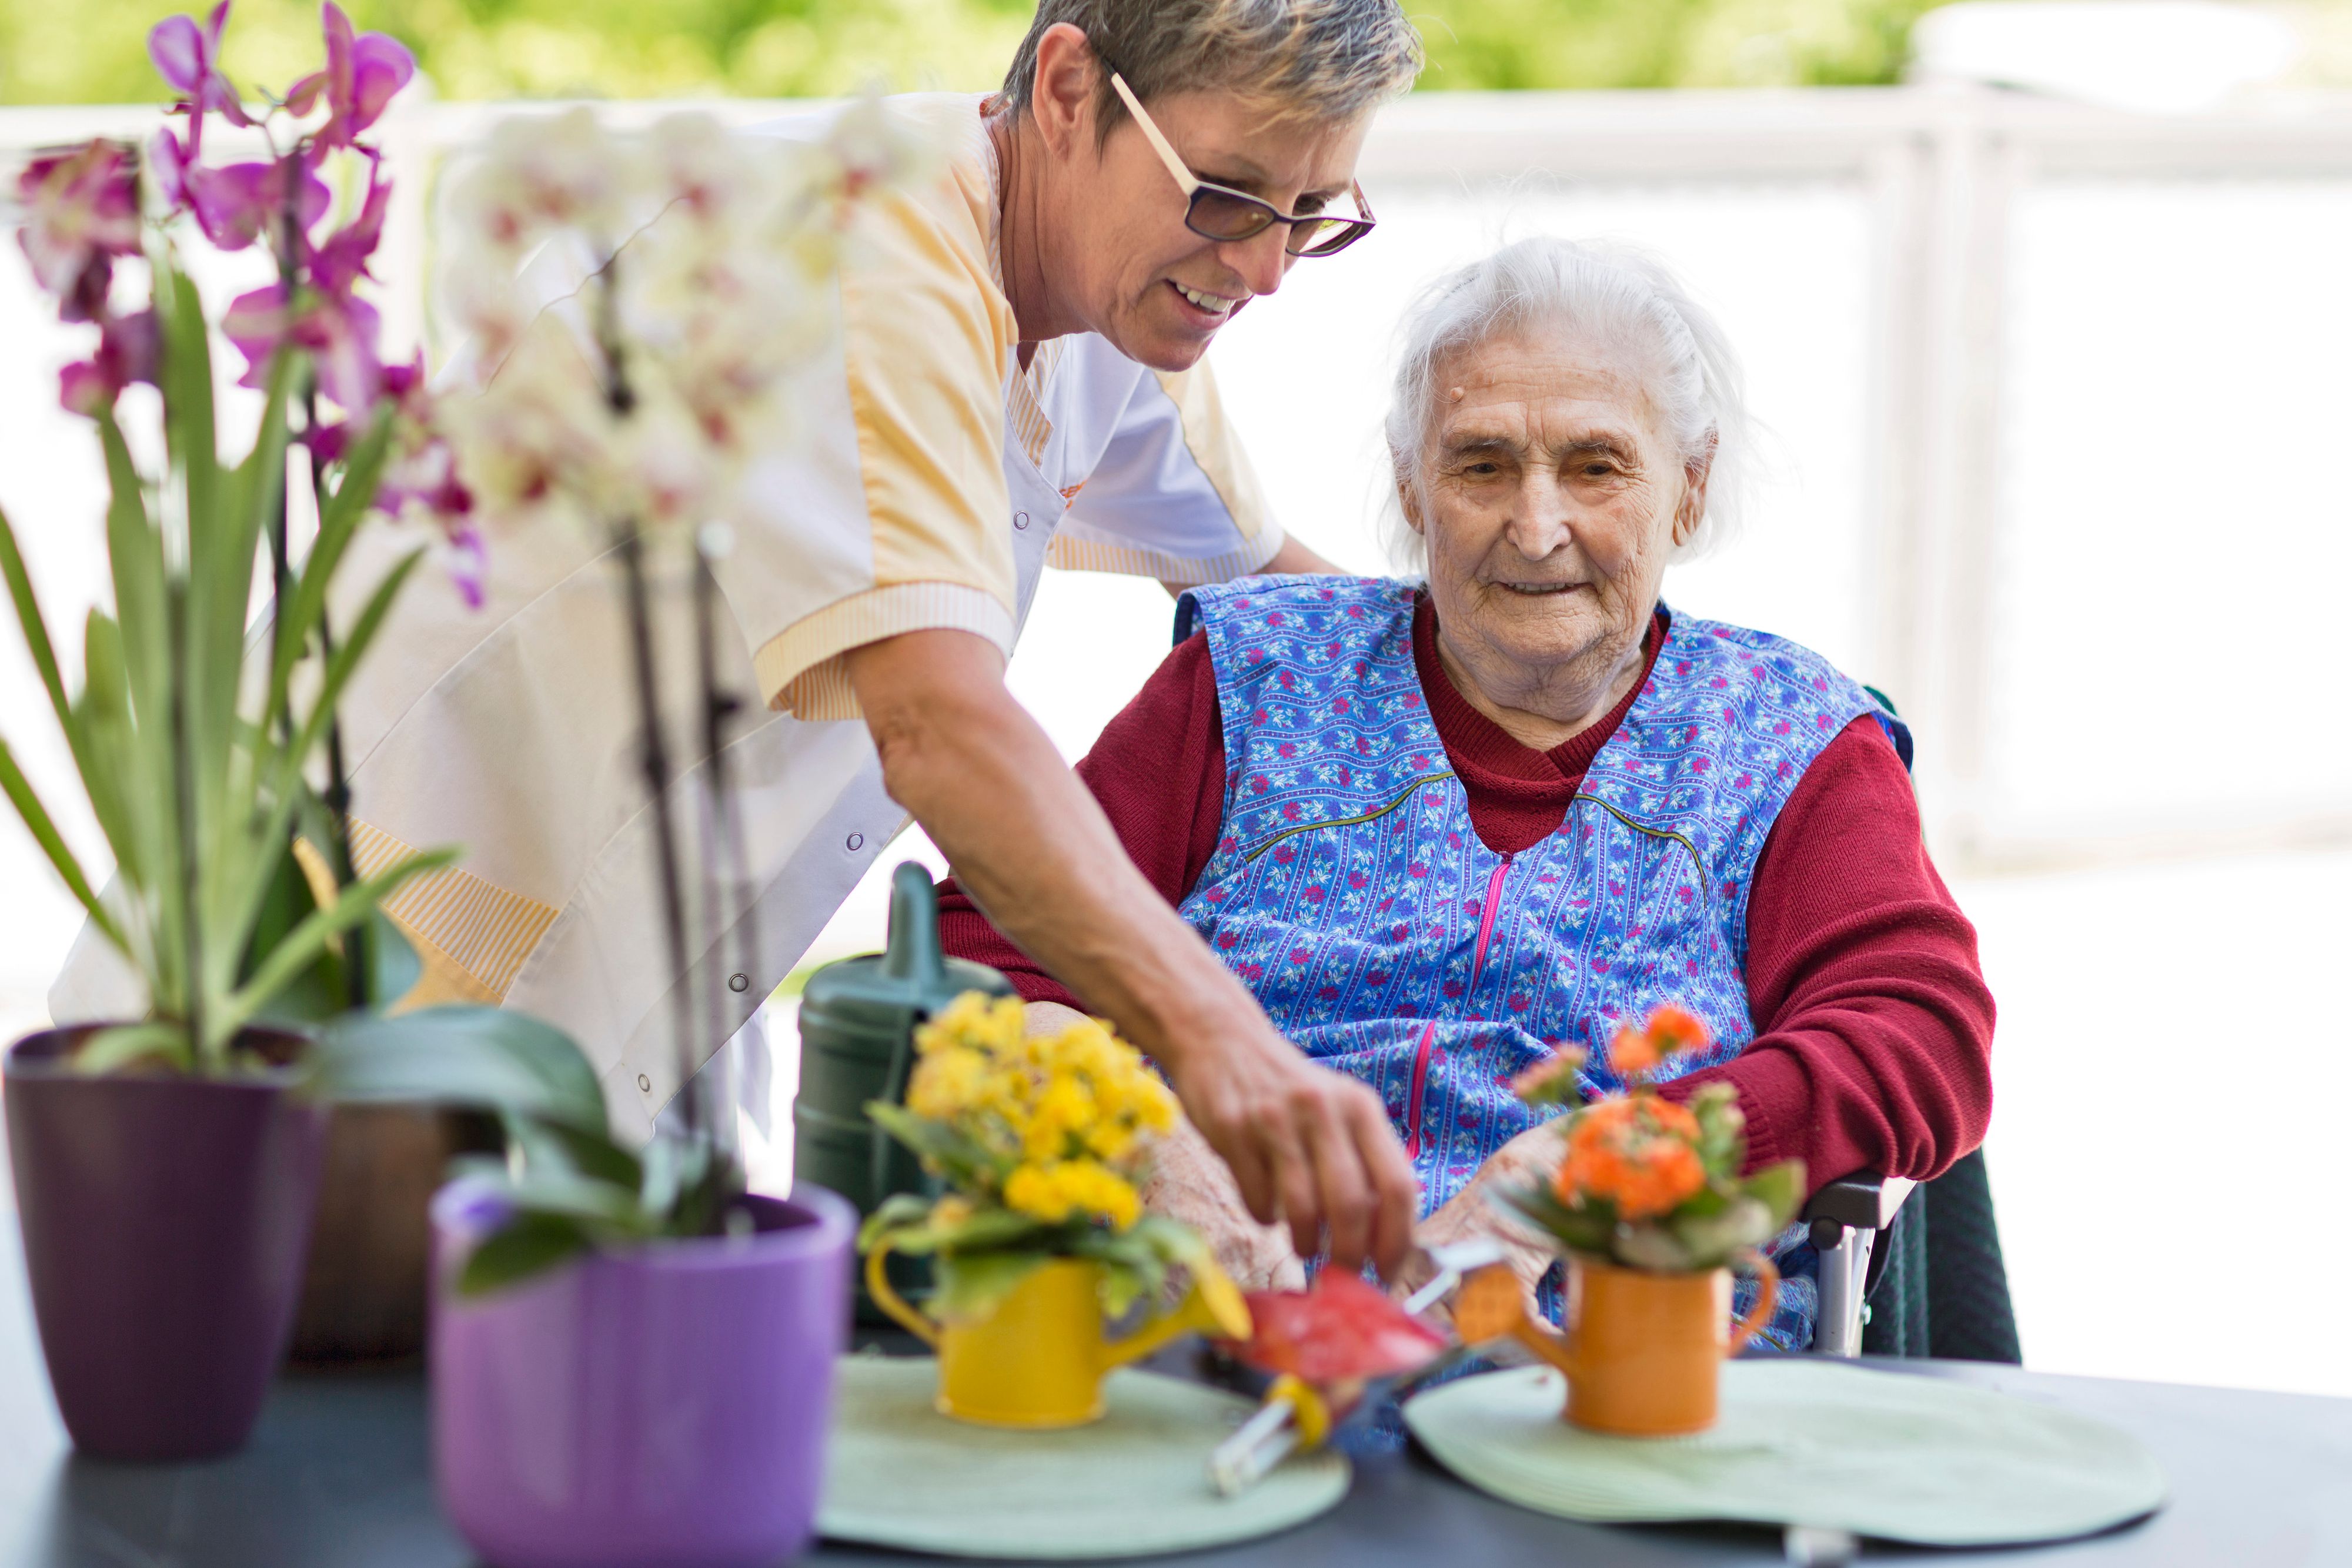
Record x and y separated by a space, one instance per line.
1440 828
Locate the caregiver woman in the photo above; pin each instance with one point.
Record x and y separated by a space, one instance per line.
1440 830
1015 383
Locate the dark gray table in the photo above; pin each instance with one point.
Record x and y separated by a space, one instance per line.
336 1477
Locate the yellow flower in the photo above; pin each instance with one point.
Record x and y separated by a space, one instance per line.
946 1082
1057 1189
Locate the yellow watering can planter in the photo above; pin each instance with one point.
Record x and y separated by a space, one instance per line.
1642 1351
1039 1359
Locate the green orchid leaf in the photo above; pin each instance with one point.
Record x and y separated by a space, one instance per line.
589 1151
112 1049
307 939
971 1285
486 1058
44 829
394 967
530 1244
317 992
36 629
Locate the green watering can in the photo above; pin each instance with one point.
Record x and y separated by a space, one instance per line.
857 1043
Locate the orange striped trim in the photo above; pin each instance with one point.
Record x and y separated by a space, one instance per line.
485 930
1025 405
800 666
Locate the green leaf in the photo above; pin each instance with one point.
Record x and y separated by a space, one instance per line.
961 1160
111 1049
338 520
305 941
487 1057
1588 1229
1781 1189
899 1212
1657 1248
531 1243
591 1152
317 992
972 1285
38 822
394 967
36 629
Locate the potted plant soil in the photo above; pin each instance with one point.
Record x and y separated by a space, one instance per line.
166 1164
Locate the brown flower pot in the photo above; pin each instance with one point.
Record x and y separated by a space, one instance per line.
164 1221
363 1291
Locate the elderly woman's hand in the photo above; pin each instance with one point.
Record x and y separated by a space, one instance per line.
1472 1213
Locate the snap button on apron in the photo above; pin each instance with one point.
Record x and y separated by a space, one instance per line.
644 1084
856 842
739 982
1021 519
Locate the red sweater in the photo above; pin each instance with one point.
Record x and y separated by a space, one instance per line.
1874 1027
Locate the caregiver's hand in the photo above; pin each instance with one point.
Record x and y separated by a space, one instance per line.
1304 1143
1032 847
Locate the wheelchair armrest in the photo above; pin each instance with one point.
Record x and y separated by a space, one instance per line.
1863 1201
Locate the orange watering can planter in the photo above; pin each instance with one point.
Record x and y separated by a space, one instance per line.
1039 1360
1641 1350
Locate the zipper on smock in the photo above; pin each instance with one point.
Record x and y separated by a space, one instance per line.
1428 1034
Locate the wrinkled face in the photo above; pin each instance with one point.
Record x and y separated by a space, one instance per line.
1550 499
1132 271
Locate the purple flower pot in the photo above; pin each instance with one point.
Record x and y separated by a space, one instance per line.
165 1221
668 1405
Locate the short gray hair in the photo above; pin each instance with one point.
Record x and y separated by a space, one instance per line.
1313 59
1625 302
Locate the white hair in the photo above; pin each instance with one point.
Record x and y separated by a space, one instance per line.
1620 301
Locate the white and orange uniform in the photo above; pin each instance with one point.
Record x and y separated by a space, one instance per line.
935 477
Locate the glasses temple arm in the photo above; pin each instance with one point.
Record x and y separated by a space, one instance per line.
1184 176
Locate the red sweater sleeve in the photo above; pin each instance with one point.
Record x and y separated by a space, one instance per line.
1873 1026
1157 770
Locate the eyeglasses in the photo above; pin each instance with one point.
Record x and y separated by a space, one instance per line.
1221 213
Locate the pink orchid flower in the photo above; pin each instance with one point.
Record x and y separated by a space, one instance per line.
188 59
81 210
339 331
237 204
126 353
363 71
342 260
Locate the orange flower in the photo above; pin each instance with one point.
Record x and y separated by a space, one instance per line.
1675 1030
1669 1032
1553 1079
1632 1052
1641 1153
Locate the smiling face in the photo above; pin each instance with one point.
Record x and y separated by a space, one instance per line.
1550 499
1123 264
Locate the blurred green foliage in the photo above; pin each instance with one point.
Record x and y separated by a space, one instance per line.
93 51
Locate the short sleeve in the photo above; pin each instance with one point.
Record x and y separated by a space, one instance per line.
1173 497
887 516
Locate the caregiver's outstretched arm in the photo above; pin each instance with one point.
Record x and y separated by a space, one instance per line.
1034 851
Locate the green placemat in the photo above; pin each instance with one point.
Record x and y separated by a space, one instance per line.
1918 1459
1133 1483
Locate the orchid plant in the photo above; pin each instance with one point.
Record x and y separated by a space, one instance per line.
633 308
195 742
